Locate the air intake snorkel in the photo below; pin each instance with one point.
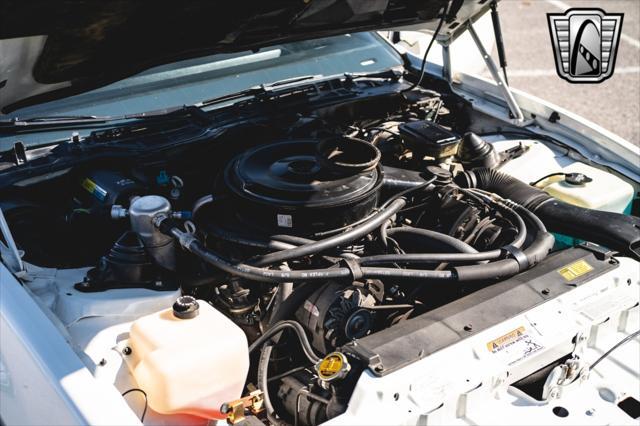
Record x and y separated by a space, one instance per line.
613 230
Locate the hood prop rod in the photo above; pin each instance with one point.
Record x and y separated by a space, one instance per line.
497 32
10 253
516 112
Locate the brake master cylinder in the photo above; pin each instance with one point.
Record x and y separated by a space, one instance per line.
189 359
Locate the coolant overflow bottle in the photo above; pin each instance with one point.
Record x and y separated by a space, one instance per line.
189 358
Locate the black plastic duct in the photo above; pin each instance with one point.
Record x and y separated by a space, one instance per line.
613 230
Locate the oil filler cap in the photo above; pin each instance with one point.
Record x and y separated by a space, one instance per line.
186 307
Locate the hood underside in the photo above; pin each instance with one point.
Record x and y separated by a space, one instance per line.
54 48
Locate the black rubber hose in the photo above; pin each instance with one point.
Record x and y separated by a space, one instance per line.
291 239
504 185
238 238
613 230
334 241
263 384
616 231
396 179
262 274
427 258
353 270
288 307
444 239
263 373
299 331
372 272
254 273
468 254
275 242
536 251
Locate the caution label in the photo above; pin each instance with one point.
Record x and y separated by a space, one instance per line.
498 343
94 189
514 346
575 270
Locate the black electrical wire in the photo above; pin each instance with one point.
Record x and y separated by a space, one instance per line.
535 182
614 347
426 52
287 373
146 401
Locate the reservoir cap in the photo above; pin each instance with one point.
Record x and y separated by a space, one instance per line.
186 307
334 366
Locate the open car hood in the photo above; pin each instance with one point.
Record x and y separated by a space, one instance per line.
57 48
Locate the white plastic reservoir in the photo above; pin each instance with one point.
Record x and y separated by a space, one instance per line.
188 359
605 191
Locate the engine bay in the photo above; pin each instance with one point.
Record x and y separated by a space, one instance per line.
285 240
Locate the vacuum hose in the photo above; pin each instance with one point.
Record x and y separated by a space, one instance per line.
613 230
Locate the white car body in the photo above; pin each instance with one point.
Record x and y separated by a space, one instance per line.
51 334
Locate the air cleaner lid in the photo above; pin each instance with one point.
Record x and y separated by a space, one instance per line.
299 173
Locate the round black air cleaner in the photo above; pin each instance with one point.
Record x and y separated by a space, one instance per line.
305 186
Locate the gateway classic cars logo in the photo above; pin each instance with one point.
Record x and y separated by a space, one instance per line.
585 43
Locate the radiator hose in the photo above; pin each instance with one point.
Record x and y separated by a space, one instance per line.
613 230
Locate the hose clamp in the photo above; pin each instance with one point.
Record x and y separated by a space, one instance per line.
354 268
518 255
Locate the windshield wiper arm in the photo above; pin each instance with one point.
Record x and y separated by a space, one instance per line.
55 118
264 89
58 119
256 90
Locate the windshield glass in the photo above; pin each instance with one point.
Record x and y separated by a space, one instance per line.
190 81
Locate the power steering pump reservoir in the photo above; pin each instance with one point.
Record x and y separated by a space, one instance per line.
189 359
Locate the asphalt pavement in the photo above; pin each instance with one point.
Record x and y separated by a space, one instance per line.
613 104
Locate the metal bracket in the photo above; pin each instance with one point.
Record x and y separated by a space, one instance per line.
497 77
19 153
565 376
234 410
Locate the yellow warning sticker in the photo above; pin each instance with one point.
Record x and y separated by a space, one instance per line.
89 185
515 346
502 341
575 270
